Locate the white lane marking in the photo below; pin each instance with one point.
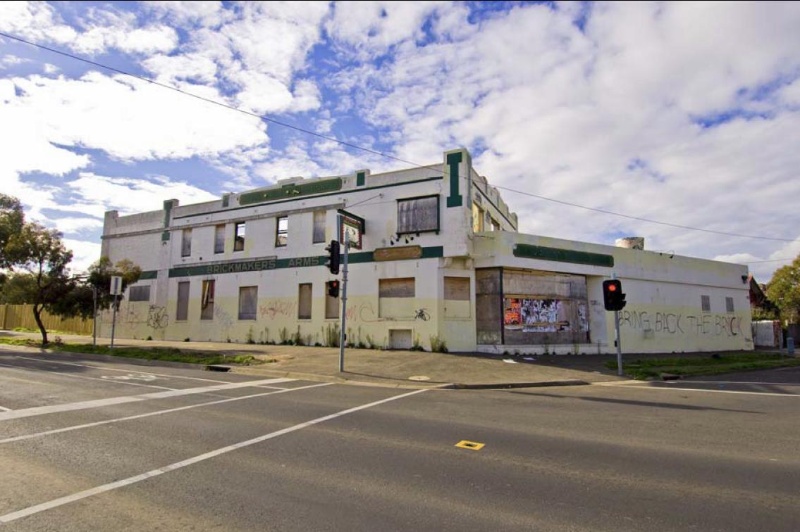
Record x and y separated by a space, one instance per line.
4 409
72 375
49 505
97 403
157 413
671 388
104 368
745 382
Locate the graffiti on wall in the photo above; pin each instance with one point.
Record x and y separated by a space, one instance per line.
223 317
278 308
673 323
157 317
542 315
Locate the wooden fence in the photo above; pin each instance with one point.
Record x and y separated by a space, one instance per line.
14 316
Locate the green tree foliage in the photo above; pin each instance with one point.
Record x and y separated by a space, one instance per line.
43 259
12 219
95 288
784 291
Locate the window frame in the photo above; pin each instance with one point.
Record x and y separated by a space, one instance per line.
249 316
132 290
317 232
219 243
331 303
431 229
305 298
186 242
207 299
182 305
705 303
279 232
729 308
239 240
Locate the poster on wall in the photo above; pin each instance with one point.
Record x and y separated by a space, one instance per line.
538 315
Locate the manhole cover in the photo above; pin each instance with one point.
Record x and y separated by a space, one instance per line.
419 378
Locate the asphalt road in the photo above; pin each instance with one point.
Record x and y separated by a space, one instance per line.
114 446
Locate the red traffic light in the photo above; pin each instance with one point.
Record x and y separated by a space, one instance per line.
613 298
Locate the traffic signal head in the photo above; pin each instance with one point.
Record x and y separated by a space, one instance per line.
613 298
333 288
333 257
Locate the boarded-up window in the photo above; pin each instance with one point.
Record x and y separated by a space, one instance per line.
207 300
418 215
456 297
186 243
304 302
238 240
248 302
331 303
219 238
544 308
182 312
396 298
139 293
729 304
319 227
282 231
705 303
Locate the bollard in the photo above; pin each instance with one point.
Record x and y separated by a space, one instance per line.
790 346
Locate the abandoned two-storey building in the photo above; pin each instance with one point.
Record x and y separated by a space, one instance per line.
435 262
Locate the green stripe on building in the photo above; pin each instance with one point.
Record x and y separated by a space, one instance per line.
271 263
291 191
527 251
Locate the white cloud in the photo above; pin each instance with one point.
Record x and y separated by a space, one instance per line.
130 196
83 254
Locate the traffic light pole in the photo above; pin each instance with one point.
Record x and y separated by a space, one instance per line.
342 335
618 341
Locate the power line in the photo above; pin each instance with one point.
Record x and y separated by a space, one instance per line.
646 219
369 150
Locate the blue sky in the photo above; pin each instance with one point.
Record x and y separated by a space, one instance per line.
685 113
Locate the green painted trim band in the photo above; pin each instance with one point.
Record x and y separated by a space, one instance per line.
528 251
149 274
454 199
291 191
272 263
320 196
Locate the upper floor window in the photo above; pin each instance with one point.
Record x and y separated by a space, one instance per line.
729 304
281 231
477 218
319 227
219 238
139 293
417 215
705 303
186 243
238 241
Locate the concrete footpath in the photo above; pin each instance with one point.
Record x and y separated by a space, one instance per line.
402 369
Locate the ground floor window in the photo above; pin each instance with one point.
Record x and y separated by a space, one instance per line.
457 297
396 298
248 302
207 300
304 302
521 307
182 311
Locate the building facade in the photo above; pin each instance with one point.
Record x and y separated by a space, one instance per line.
435 262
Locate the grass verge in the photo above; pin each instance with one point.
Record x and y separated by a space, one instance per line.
713 364
169 354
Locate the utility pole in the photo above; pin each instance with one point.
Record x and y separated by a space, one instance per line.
342 335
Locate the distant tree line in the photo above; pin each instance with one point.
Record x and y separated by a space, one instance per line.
34 269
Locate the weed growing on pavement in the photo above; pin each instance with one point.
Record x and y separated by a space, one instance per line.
169 354
711 364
